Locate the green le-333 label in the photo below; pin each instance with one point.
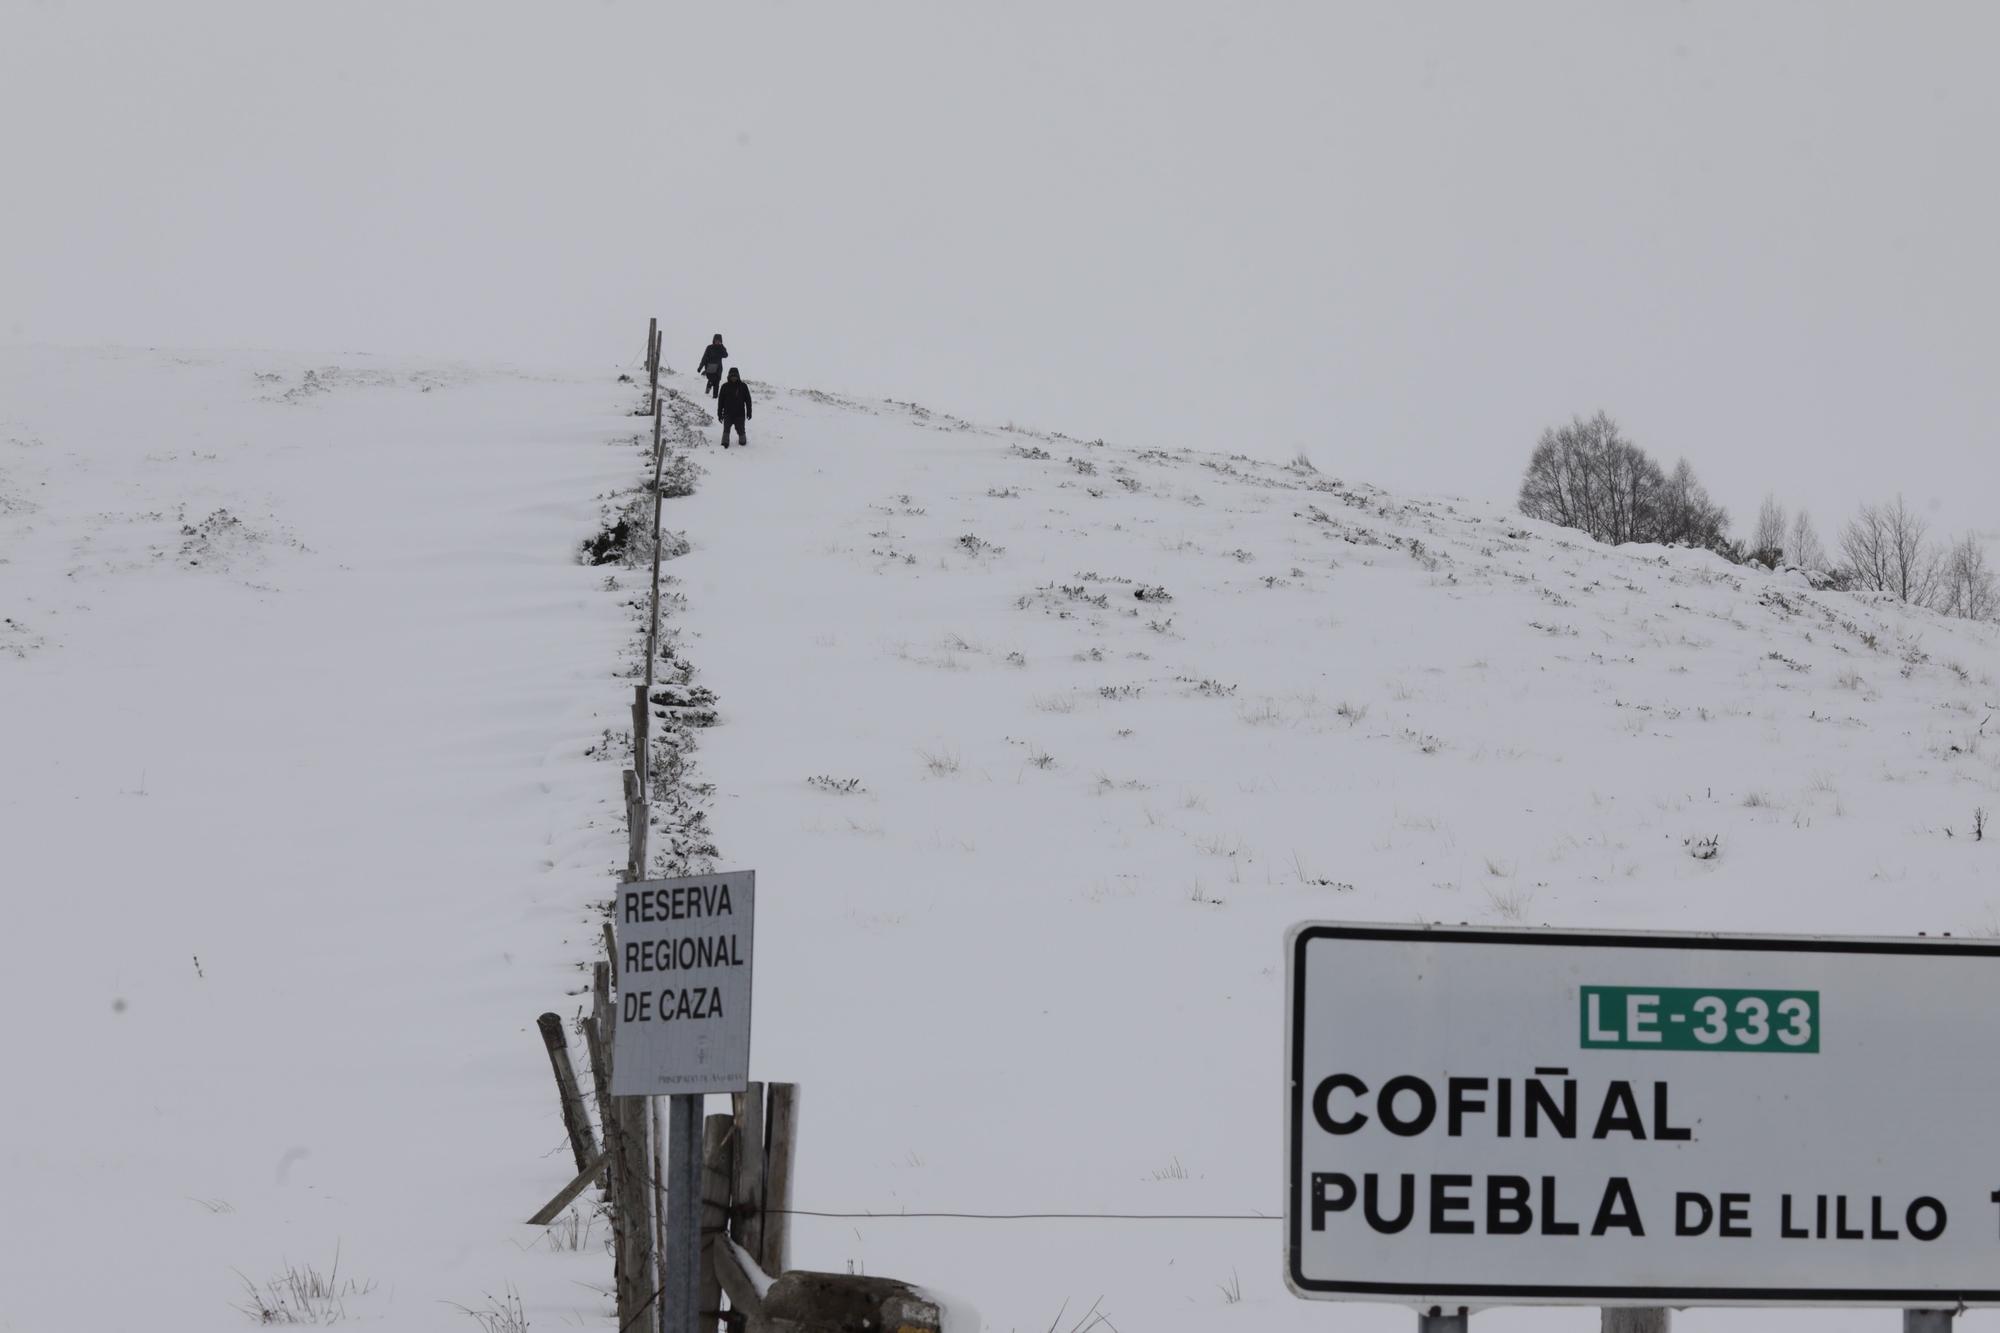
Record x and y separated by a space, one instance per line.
1687 1018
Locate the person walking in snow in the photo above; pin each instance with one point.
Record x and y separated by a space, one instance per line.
711 363
732 405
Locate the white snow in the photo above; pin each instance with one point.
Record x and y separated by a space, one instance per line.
336 754
1030 963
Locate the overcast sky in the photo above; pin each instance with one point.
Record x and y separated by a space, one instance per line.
1401 237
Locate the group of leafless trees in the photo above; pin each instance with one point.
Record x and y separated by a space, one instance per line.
1586 475
1888 548
1884 548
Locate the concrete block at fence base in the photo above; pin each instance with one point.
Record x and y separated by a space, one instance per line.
845 1303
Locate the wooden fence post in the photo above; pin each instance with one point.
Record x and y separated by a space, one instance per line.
597 1045
783 1148
576 1120
625 1175
653 618
653 359
653 367
748 1209
635 828
717 1172
658 1174
742 1292
642 736
636 1289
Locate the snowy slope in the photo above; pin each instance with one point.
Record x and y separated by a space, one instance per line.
1033 963
330 744
1021 948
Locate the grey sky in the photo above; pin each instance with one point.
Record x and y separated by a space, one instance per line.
1403 237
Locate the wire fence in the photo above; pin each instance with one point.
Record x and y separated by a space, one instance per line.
1033 1217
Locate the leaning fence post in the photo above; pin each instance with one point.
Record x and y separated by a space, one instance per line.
567 1195
576 1120
749 1204
716 1172
743 1297
782 1135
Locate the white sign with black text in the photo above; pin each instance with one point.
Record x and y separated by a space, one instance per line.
683 985
1483 1117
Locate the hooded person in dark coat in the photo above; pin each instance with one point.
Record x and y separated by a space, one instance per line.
732 404
711 363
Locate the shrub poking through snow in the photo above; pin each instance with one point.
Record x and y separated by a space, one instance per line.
974 545
1704 849
607 547
678 476
838 786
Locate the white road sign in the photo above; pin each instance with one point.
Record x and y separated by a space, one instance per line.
1484 1117
683 985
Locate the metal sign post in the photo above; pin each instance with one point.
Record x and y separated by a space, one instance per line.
681 1287
1436 1320
1641 1121
684 954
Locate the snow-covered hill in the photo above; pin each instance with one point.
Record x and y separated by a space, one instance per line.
1037 745
1116 718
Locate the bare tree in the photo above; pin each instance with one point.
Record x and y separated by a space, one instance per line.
1565 479
1767 538
1886 549
1687 514
1864 547
1966 582
1804 549
1587 475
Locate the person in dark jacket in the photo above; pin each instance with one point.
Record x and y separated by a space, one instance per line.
732 404
711 363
